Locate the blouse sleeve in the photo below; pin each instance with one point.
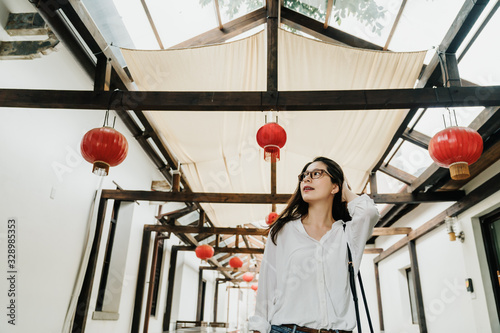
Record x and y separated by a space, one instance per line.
364 216
266 292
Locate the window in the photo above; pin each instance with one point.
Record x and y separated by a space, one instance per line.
107 257
413 298
113 277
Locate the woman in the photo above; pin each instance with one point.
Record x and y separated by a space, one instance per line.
304 278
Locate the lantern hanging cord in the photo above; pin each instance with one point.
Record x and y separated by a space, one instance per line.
451 119
106 117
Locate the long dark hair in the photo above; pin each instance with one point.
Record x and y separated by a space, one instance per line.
298 208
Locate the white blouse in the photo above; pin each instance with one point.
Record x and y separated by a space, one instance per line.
305 282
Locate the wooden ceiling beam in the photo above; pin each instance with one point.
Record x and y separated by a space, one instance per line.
185 230
373 250
224 269
178 213
264 198
391 231
231 29
316 29
240 250
371 99
416 138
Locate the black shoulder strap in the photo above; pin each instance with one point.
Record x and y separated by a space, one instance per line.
354 292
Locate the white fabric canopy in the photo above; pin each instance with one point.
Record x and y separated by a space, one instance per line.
218 150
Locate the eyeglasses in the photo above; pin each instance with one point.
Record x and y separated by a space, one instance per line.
314 174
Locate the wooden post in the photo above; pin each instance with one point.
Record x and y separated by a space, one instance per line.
379 298
273 183
272 45
151 283
449 70
417 286
199 300
216 298
373 183
141 280
102 80
201 220
176 187
170 289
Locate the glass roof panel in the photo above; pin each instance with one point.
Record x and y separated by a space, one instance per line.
411 159
432 121
189 218
315 9
424 24
388 184
490 9
231 9
371 21
480 63
137 23
177 21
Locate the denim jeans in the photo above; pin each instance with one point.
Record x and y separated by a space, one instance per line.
283 329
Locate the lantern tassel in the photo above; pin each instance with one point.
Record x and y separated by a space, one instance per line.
100 168
271 153
459 171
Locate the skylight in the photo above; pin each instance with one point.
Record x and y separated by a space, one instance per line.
231 10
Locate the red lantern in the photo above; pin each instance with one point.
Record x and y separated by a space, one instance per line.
456 148
204 252
248 277
271 137
235 262
254 287
104 147
271 218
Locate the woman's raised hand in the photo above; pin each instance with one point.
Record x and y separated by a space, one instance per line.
347 194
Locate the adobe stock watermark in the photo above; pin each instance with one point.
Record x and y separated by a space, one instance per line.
12 264
72 160
451 291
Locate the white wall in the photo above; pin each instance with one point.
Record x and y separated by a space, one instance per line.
367 270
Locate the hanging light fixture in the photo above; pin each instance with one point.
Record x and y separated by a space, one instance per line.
204 252
235 262
271 218
104 147
248 277
271 137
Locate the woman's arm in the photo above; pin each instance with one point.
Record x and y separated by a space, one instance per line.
364 216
